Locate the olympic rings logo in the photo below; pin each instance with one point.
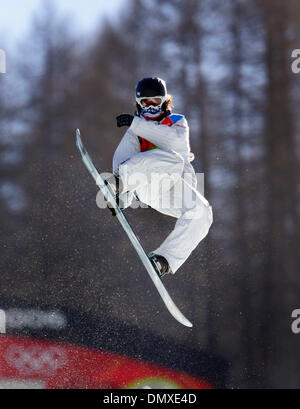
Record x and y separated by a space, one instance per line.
36 360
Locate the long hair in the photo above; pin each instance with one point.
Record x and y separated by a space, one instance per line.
169 103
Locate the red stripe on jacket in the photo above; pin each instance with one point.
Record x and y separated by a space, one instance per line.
146 145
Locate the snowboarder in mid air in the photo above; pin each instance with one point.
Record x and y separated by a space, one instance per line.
155 145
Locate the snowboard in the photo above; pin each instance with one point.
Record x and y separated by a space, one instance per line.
173 309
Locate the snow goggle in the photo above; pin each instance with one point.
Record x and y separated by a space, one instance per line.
156 102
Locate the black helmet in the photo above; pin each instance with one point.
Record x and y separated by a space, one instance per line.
151 87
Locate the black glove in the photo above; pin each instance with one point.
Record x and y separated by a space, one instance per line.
124 120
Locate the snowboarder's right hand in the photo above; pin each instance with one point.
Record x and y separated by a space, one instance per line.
124 120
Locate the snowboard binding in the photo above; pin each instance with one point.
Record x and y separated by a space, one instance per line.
113 183
160 264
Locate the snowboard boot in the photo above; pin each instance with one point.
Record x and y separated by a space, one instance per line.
122 199
160 264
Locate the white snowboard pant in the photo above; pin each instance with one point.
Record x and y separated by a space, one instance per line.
157 177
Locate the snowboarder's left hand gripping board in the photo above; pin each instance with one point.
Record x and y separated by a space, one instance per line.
130 233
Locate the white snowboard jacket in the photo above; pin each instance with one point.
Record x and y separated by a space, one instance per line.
172 133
